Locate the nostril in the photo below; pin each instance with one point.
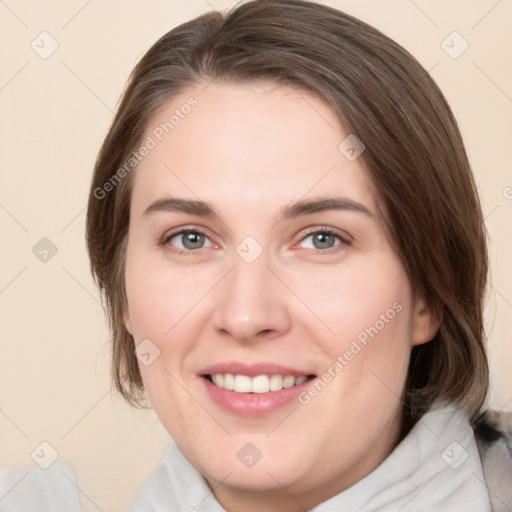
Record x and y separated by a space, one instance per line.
264 332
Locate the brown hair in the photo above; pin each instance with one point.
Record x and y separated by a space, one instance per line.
414 156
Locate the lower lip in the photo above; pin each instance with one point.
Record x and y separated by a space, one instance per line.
253 404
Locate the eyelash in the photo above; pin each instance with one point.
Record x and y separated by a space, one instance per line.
182 231
344 241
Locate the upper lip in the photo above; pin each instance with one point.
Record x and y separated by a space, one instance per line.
253 369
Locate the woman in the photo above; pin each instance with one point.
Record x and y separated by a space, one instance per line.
287 234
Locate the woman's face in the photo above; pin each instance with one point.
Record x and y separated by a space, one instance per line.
256 261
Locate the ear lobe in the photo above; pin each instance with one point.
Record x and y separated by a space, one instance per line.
425 323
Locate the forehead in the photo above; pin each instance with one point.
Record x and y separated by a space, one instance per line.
250 146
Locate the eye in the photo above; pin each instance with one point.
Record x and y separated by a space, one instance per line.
188 240
322 239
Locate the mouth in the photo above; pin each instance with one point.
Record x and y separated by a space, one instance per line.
254 389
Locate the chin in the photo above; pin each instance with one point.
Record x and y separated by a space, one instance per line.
252 465
265 476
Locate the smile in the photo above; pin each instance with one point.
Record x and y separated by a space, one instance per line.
254 389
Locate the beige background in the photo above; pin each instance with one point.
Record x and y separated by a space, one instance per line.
54 365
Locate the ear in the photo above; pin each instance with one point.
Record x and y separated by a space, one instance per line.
127 321
425 323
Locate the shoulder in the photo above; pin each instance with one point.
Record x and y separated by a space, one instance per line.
41 489
493 434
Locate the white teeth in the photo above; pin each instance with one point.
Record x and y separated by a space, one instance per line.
276 383
242 384
299 380
229 381
259 384
288 382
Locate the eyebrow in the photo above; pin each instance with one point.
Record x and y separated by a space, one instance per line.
173 204
324 204
297 209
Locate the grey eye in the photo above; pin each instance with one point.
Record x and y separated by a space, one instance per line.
321 240
189 240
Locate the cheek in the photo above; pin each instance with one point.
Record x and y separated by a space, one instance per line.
160 298
164 305
366 314
357 301
161 304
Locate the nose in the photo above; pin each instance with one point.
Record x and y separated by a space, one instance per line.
252 304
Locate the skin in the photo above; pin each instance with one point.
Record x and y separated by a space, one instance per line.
249 151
